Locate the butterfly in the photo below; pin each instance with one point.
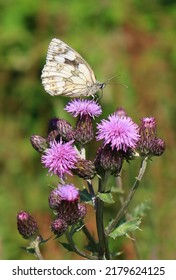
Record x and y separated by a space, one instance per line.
66 73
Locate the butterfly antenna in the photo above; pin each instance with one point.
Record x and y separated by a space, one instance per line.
108 81
113 77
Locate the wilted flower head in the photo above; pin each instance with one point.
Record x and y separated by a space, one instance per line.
82 107
60 158
26 225
120 132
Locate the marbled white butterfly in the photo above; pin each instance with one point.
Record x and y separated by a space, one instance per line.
67 73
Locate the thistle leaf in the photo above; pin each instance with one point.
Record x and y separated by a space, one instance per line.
106 197
66 246
126 227
85 196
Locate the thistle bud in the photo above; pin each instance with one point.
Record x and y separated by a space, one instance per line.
39 143
82 211
121 112
54 199
26 225
158 147
65 130
58 227
149 144
108 160
84 169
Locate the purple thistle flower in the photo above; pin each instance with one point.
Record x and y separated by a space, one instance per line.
60 158
120 132
81 107
68 193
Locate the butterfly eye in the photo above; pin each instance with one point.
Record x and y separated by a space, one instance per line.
102 85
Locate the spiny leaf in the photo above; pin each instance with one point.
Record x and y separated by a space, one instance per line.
106 197
126 227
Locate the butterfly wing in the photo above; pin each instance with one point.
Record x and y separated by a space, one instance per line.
66 72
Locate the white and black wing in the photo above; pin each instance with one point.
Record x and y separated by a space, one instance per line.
67 73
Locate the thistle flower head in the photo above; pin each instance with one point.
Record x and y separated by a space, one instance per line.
65 200
81 107
60 158
68 192
120 132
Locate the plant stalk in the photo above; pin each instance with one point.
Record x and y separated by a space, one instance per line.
76 250
126 203
103 242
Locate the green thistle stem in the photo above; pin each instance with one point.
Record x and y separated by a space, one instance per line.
35 245
103 242
126 203
75 249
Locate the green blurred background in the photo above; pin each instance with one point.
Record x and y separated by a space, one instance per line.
132 38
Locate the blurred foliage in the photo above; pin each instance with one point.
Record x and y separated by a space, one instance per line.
133 39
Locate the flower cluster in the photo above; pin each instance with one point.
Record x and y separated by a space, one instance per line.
62 154
121 139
